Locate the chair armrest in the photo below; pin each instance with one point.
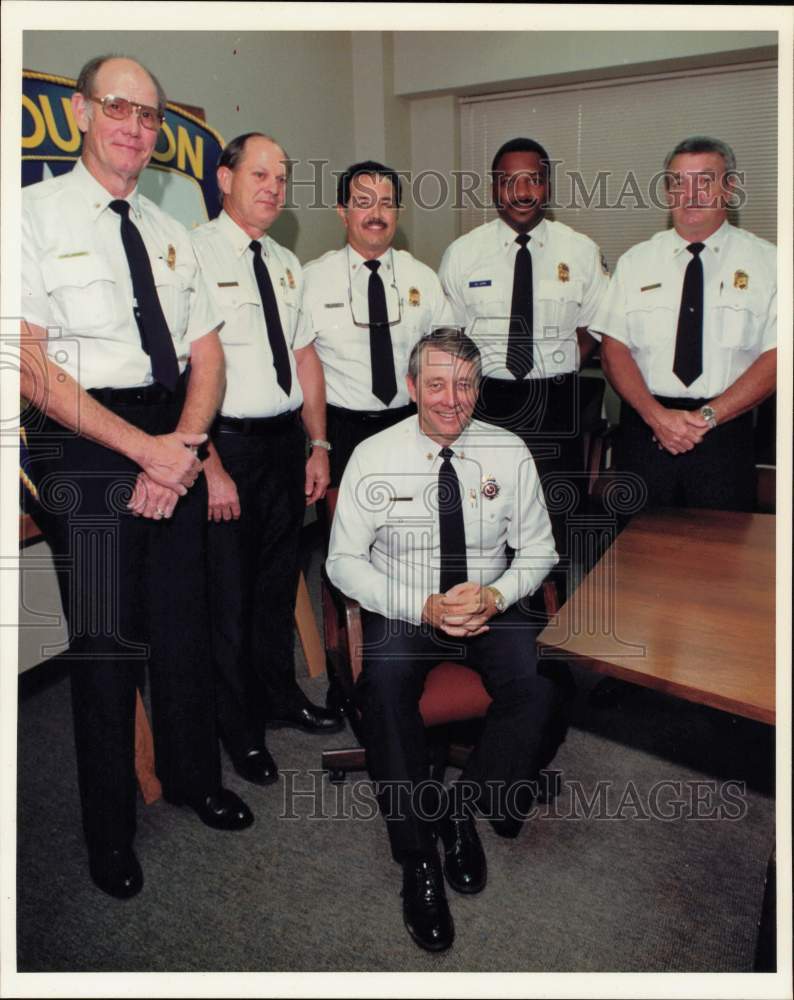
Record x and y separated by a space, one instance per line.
344 635
551 597
355 636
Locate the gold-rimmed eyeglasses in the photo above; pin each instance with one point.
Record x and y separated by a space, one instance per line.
120 108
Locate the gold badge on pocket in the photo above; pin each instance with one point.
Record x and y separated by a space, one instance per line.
414 296
563 272
290 278
740 279
171 258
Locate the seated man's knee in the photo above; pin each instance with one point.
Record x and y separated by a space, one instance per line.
388 682
526 694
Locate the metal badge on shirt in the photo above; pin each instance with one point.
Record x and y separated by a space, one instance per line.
490 488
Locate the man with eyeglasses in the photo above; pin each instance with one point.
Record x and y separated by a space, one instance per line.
123 368
258 476
365 306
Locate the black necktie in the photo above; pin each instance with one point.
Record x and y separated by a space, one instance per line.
275 331
156 338
519 340
452 534
688 361
384 381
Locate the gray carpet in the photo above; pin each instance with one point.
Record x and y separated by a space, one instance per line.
592 884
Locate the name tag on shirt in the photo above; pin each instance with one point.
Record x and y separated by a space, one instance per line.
77 253
480 284
650 288
334 305
228 284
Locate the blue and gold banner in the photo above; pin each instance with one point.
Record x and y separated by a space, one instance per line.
180 177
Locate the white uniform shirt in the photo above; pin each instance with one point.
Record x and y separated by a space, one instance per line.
568 280
641 307
336 299
76 280
227 262
385 550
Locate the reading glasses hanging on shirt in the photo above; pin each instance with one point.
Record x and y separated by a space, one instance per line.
393 284
120 108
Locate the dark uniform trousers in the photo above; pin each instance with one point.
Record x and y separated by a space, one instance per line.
348 428
507 758
134 594
545 414
718 473
254 568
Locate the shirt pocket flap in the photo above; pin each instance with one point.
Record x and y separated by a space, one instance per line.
233 295
75 272
650 300
560 291
741 299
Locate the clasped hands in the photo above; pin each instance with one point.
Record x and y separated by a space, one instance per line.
678 431
169 468
464 610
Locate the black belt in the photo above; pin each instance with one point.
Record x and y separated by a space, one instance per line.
144 394
561 378
681 402
370 416
255 425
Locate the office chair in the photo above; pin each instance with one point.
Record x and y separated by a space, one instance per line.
453 700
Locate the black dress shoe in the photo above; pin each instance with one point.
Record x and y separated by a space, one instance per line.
116 872
464 859
256 766
222 810
425 910
310 718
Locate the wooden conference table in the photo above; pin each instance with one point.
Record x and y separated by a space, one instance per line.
682 602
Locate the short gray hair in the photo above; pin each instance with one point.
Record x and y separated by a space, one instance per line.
87 78
703 144
451 340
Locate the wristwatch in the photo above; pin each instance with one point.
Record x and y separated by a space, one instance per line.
498 599
319 443
708 414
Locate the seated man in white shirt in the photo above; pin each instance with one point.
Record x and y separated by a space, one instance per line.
425 512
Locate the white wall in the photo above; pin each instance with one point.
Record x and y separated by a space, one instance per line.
382 121
430 61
